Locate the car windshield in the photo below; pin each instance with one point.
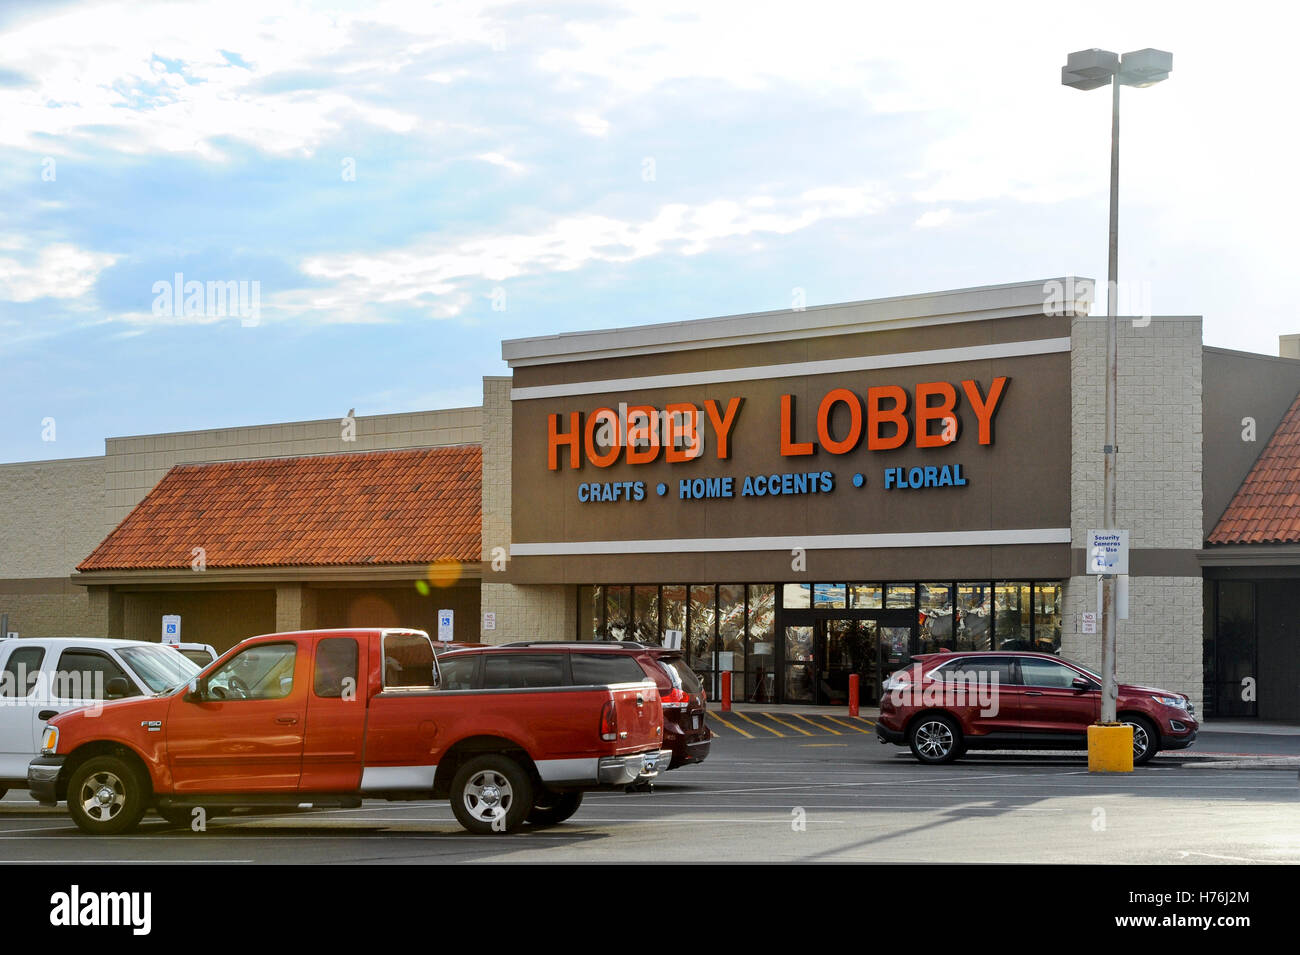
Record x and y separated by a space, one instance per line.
161 668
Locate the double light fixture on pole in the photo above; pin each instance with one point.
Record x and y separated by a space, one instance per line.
1088 70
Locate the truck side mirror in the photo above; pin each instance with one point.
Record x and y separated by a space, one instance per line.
117 688
195 692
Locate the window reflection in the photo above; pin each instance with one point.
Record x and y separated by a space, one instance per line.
645 623
1011 626
618 611
974 616
1047 617
935 616
796 596
828 596
761 675
898 596
731 636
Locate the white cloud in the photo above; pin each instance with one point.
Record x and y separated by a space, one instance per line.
432 274
497 159
933 219
59 270
100 67
592 124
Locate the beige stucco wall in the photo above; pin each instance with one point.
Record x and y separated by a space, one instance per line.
52 515
1158 496
50 521
522 612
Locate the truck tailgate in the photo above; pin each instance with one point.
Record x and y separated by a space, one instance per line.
640 717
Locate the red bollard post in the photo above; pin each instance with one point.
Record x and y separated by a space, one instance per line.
726 691
853 694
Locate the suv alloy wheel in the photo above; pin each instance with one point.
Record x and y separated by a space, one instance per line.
1145 741
935 739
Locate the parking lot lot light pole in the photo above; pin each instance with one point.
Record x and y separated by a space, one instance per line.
1088 70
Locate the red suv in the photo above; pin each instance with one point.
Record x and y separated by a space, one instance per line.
686 729
947 703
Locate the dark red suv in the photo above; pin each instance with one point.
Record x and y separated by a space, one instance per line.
686 729
947 703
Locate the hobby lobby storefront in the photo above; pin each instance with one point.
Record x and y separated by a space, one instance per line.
804 495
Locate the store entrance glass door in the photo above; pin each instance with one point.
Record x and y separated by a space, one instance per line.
872 644
800 669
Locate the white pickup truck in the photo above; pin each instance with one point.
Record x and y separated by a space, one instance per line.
41 677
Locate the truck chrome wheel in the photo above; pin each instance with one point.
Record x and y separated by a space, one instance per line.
488 795
107 795
491 794
102 796
935 739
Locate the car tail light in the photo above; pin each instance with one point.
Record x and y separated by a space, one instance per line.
676 700
608 722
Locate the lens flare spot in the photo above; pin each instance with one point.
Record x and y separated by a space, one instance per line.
371 610
445 572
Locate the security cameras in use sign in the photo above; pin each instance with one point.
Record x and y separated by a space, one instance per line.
1108 552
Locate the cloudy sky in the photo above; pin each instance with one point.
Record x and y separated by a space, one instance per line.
405 184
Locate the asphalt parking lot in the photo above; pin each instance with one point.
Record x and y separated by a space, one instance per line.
832 795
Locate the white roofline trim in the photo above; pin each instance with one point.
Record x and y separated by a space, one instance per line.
907 311
1033 535
826 366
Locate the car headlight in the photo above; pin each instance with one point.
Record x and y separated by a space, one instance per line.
50 741
1175 701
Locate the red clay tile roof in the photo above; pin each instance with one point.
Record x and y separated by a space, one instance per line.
381 507
1266 508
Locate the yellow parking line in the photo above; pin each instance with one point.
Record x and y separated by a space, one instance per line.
775 719
831 730
758 724
729 726
849 725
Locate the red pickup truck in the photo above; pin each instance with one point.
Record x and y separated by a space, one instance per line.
325 718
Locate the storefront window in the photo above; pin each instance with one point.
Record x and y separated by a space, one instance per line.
731 636
591 604
797 596
760 683
974 615
935 615
828 596
900 596
646 621
702 621
618 612
1047 617
1011 627
865 596
672 608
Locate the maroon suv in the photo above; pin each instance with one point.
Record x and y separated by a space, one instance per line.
686 729
947 703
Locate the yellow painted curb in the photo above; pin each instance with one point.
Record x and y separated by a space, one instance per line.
1110 748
